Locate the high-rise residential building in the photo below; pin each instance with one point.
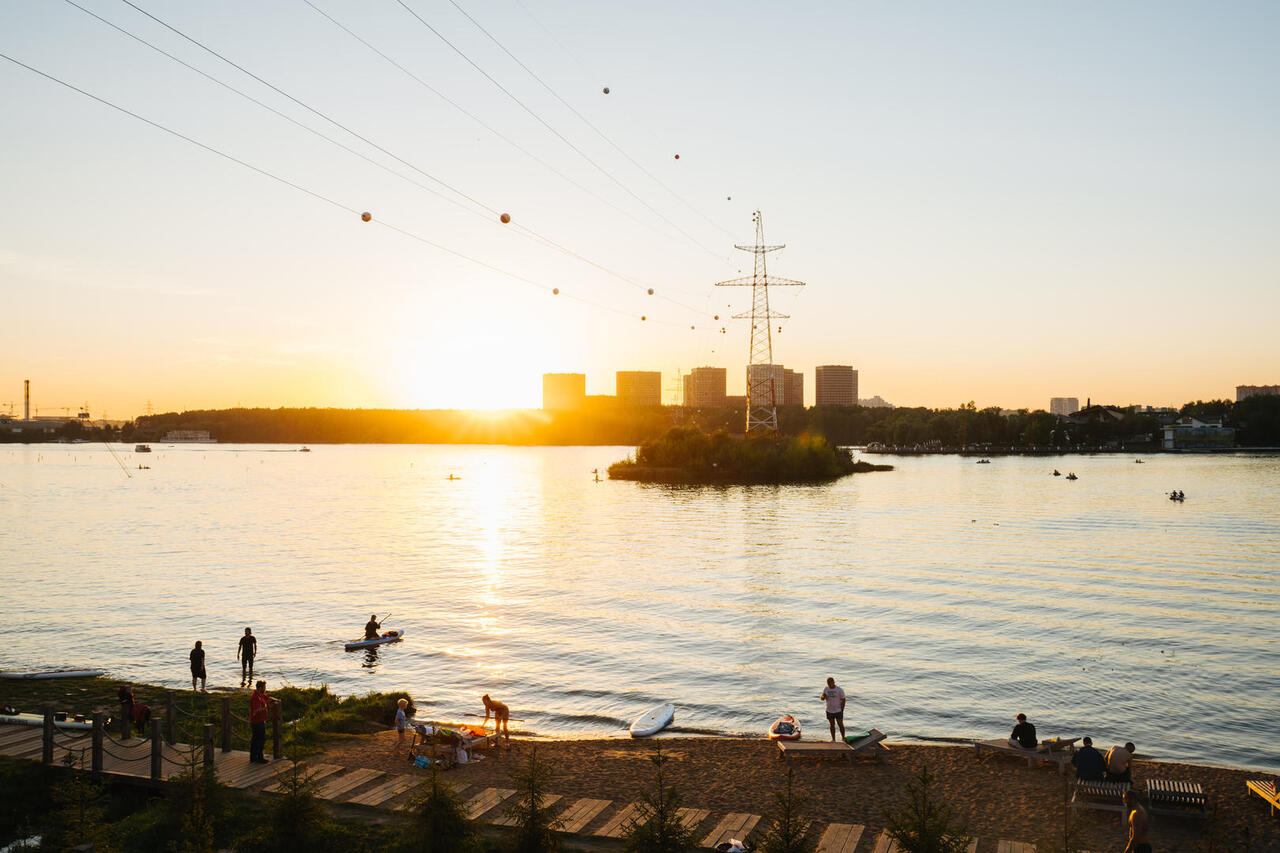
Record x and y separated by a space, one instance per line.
564 390
1063 405
639 387
1245 391
788 385
835 385
704 388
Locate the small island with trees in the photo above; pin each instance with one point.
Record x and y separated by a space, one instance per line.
688 456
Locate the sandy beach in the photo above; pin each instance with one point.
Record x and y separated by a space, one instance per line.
998 797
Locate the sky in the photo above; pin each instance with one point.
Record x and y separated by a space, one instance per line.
1000 202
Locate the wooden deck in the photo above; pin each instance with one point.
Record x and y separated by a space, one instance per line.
581 813
621 822
734 825
840 838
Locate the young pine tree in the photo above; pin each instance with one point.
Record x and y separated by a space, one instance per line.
536 823
925 824
657 827
438 820
788 825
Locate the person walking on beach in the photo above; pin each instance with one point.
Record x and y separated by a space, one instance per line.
258 702
501 716
197 667
1023 734
1120 763
247 651
1139 825
401 724
372 627
834 697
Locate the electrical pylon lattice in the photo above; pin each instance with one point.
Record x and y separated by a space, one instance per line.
762 397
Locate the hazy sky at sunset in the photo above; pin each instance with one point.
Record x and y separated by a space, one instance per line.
994 201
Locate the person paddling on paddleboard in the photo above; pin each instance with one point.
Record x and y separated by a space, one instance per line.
501 716
371 627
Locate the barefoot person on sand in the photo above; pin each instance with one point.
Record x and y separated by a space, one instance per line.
834 697
197 666
501 716
401 724
246 652
1138 824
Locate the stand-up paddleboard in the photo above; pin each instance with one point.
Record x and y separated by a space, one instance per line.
38 720
654 721
388 637
785 728
55 673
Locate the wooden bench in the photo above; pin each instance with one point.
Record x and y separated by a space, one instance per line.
1061 757
1267 791
1091 794
1171 797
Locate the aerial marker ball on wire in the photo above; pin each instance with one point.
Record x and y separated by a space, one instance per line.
555 291
643 318
606 90
505 218
366 216
677 156
717 317
651 291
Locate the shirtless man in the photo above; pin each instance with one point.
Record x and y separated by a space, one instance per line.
1138 825
501 715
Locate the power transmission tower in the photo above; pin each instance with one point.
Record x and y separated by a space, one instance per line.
762 408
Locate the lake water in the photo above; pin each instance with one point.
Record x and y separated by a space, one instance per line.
944 596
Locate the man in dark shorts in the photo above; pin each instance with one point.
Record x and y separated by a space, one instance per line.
247 651
197 667
834 697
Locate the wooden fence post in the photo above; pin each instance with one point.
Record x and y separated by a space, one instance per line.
276 752
226 723
99 728
46 747
157 745
208 744
170 717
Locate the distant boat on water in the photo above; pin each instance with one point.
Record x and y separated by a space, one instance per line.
142 448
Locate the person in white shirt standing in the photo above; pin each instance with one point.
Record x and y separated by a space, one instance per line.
834 698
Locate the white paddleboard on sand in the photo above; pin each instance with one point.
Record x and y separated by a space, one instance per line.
654 721
54 673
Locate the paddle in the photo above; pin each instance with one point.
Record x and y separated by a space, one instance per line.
513 719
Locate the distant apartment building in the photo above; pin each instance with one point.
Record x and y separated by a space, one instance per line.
1245 391
876 402
639 387
788 386
793 384
561 391
705 388
835 385
1063 405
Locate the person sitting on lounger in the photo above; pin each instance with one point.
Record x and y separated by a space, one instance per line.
1119 763
1088 762
1023 734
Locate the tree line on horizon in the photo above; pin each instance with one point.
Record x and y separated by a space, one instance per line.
1256 420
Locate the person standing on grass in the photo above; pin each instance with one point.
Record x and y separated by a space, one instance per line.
1139 826
258 702
834 697
401 724
247 651
197 667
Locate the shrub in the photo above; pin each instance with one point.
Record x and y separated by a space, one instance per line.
925 824
657 827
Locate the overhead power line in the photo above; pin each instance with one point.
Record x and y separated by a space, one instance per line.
584 119
556 133
319 196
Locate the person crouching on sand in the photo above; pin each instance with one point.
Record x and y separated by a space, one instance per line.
501 716
401 725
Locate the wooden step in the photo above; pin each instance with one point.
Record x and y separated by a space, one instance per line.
691 819
386 790
840 838
617 826
337 787
581 813
505 817
486 800
1003 846
313 773
733 825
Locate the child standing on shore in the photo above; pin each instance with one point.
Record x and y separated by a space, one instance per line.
401 724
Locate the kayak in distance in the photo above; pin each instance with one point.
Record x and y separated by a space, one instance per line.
387 637
785 728
652 722
55 673
77 722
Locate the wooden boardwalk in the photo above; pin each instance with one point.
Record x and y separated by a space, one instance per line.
134 759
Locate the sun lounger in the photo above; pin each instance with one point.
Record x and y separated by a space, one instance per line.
1043 752
869 745
1171 797
1107 796
840 838
1267 791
